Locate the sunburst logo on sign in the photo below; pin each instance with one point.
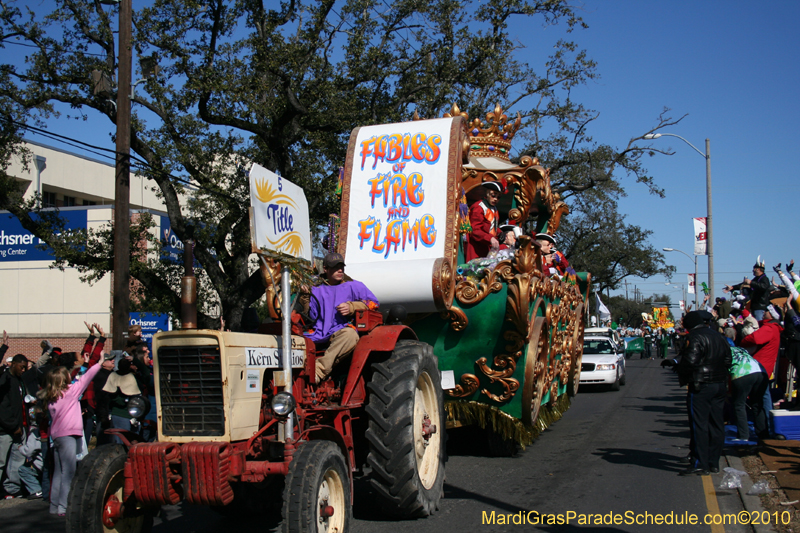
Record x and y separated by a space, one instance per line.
280 214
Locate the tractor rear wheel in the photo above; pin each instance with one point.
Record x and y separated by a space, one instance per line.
317 493
406 431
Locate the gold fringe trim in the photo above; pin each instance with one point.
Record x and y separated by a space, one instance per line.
503 424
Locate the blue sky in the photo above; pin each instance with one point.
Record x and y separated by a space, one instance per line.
732 67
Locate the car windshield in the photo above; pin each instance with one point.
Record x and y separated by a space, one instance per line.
597 346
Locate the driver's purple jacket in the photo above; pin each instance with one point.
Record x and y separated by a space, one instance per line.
325 319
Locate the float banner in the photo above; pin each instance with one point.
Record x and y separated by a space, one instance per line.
692 284
151 324
280 215
397 195
19 244
700 236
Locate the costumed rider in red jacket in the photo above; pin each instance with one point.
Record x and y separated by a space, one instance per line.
768 339
484 219
331 309
553 262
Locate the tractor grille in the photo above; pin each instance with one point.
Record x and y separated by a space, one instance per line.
190 380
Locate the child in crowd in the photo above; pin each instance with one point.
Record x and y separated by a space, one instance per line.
31 471
61 399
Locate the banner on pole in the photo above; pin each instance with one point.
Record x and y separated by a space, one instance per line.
692 282
700 236
682 305
602 310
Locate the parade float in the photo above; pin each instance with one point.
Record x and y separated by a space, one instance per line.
509 340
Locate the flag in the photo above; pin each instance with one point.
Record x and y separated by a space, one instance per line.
602 310
692 283
700 236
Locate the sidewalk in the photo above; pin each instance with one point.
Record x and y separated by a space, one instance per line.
783 457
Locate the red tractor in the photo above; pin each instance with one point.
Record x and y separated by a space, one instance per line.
231 437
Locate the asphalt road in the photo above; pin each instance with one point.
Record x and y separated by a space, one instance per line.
612 452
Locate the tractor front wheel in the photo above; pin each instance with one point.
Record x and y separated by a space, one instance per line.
96 502
316 497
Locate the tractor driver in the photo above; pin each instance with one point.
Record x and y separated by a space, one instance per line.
331 308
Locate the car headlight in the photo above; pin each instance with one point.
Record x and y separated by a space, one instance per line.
610 366
137 407
283 403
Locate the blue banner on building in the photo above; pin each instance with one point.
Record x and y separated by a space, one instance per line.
172 246
151 324
19 244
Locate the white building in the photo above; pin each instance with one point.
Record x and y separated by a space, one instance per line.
43 302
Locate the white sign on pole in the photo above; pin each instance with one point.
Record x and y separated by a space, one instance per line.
692 282
700 236
280 214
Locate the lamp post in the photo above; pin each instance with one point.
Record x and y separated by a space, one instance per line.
695 270
709 232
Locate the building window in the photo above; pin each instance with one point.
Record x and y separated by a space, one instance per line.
48 199
89 202
69 201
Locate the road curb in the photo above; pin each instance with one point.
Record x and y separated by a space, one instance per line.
751 502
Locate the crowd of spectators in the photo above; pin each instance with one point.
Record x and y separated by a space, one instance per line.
759 321
54 410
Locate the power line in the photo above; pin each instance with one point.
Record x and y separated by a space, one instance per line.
142 163
53 49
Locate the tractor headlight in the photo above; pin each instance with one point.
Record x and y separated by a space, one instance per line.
283 403
137 407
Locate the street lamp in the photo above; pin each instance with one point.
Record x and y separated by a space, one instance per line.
709 232
693 258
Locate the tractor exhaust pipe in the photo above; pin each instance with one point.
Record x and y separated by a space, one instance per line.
188 288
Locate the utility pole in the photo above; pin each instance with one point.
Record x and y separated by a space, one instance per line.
626 289
122 185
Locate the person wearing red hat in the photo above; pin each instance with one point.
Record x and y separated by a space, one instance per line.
484 219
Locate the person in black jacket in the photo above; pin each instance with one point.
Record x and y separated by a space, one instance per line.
703 366
12 420
760 288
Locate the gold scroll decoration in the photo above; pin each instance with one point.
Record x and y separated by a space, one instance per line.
577 351
469 293
469 383
458 319
535 374
271 271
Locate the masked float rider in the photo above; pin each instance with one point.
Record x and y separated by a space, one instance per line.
553 262
484 219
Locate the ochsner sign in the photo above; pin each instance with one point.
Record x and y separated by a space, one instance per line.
280 214
19 244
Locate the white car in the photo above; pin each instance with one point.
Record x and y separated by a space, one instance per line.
603 362
606 332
